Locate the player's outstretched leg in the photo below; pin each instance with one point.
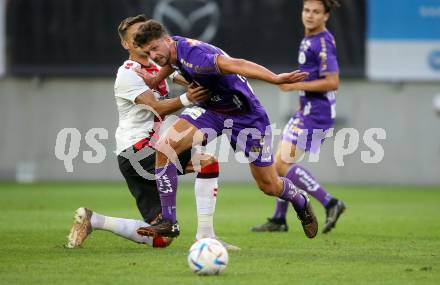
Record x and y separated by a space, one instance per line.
86 221
273 185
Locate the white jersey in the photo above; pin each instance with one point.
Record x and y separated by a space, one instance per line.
135 121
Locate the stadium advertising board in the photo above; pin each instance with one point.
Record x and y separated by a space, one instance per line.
403 40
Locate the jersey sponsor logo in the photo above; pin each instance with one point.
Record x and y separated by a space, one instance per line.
302 58
187 64
305 45
179 22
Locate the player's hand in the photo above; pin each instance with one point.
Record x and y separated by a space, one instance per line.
291 77
197 93
148 78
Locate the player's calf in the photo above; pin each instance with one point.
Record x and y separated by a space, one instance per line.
301 203
269 188
268 182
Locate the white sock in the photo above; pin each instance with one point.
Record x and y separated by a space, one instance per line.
125 228
206 197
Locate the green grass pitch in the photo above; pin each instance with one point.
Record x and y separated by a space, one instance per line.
388 235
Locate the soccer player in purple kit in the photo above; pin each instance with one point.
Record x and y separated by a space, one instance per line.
233 106
306 130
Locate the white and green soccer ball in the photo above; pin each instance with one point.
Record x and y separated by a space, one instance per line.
207 257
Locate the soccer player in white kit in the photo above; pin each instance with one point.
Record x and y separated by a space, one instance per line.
140 112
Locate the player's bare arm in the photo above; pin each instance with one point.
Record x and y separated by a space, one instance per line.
179 79
154 81
253 70
168 106
329 83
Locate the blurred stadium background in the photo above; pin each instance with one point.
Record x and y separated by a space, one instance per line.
58 61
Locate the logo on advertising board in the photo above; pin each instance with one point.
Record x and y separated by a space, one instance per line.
199 19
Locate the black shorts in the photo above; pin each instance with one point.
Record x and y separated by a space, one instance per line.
143 190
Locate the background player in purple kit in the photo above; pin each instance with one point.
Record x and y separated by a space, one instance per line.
233 105
306 130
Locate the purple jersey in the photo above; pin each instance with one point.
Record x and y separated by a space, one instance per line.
317 55
197 62
307 128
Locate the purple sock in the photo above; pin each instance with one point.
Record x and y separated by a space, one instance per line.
167 187
304 180
280 209
290 193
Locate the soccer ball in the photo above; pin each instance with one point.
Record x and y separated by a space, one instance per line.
207 257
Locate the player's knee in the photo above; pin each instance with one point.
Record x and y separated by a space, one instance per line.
161 154
267 186
167 149
162 242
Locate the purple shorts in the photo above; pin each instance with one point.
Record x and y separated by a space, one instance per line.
247 132
306 132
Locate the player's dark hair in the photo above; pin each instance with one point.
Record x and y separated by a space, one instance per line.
328 4
150 30
128 22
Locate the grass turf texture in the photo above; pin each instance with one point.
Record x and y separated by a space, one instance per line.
388 235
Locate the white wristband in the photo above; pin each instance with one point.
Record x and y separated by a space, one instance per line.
184 100
173 75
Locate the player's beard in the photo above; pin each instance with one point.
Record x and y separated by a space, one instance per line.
162 60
